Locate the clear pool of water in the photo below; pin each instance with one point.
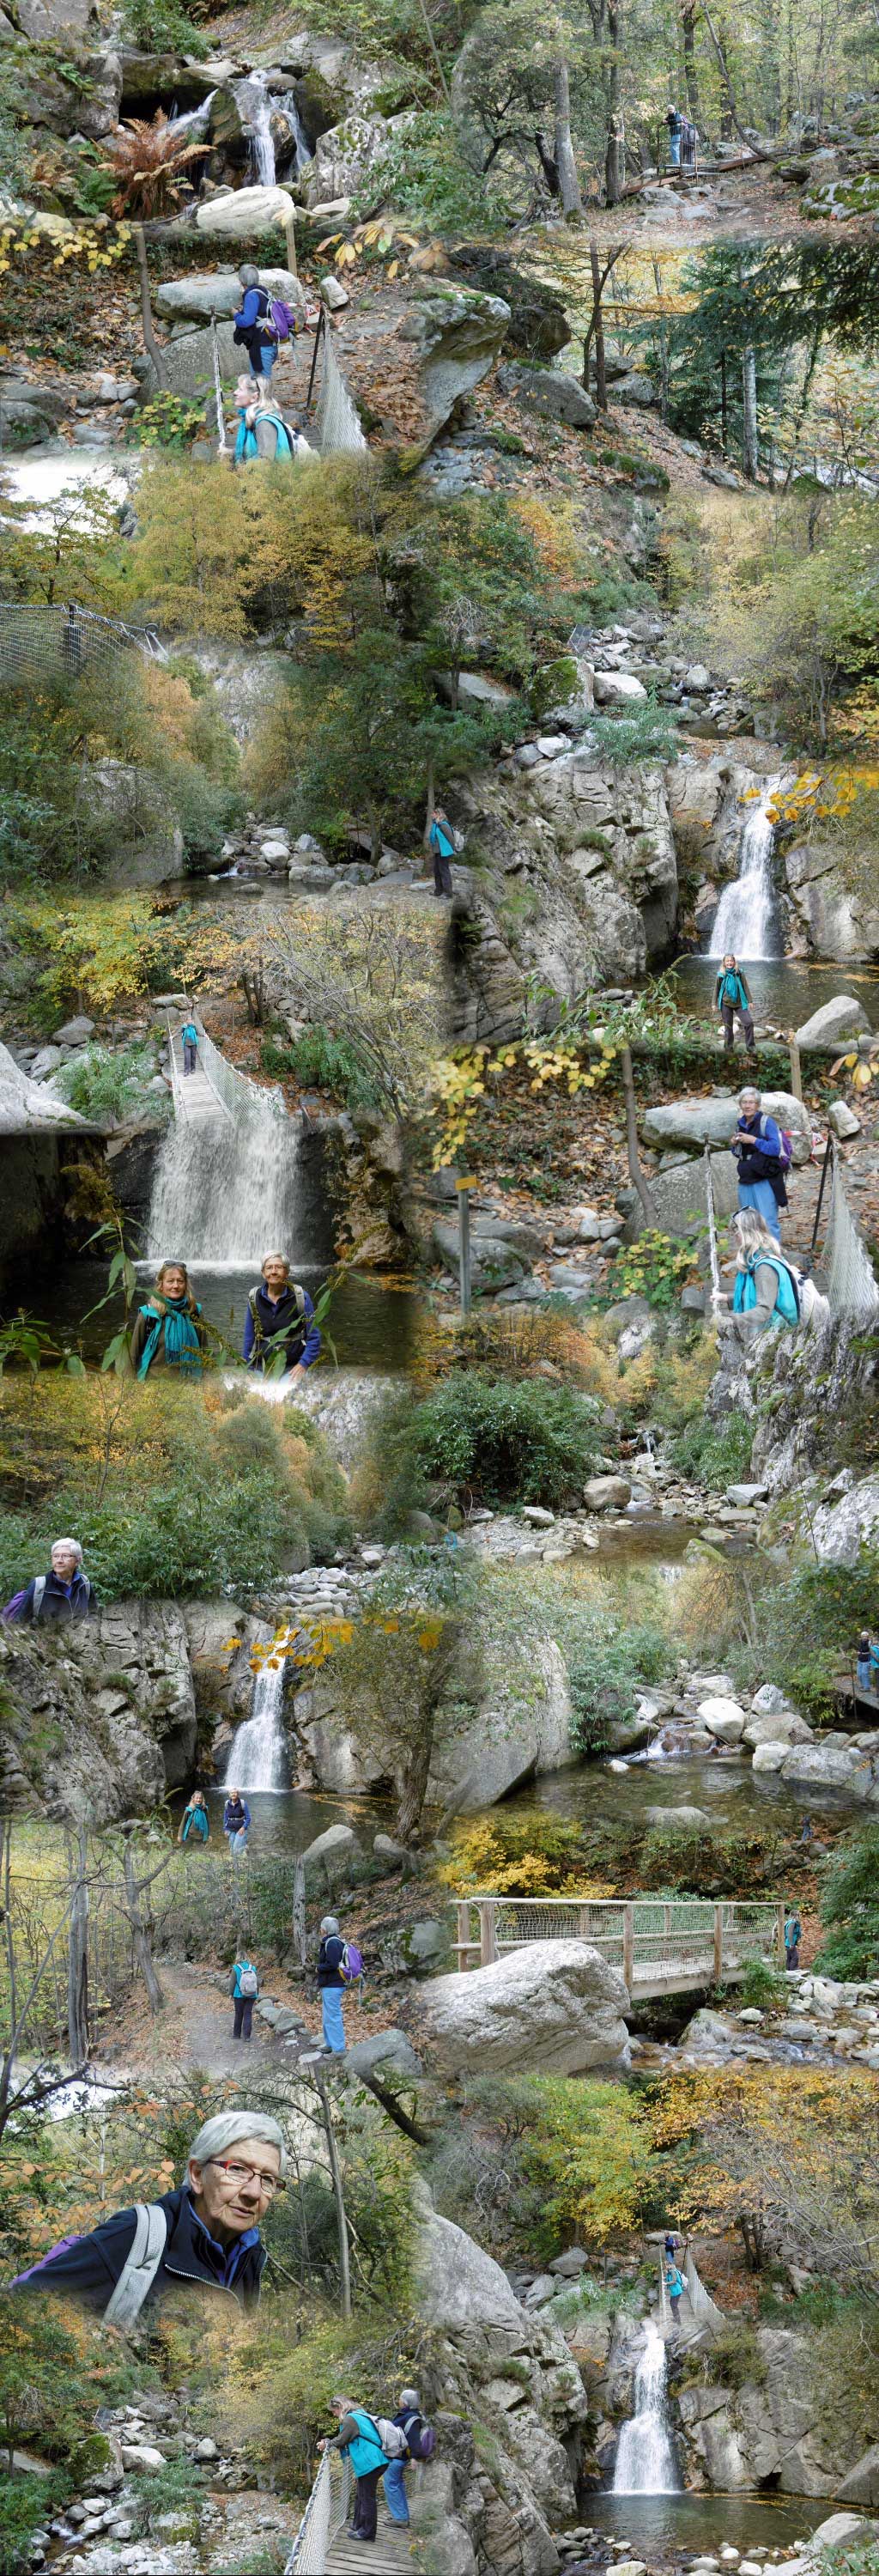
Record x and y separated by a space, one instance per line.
726 1789
661 2527
285 1822
784 990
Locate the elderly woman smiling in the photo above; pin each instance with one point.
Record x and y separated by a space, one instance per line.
205 2235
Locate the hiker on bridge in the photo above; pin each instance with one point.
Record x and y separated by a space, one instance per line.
189 1043
204 2235
420 2441
767 1288
195 1823
760 1153
168 1331
732 999
280 1321
244 1990
675 2290
359 2436
64 1593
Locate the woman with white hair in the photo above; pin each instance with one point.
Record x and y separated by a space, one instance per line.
254 329
205 2234
759 1152
64 1593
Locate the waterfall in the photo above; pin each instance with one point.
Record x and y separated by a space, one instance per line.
192 116
256 1760
228 1190
645 2460
256 108
745 922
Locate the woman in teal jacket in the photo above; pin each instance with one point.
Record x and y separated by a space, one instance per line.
731 995
359 2439
196 1824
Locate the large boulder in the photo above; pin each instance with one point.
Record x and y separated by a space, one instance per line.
347 154
74 91
192 299
695 1123
539 325
550 392
515 1737
554 2006
189 365
245 213
455 336
844 1017
25 1104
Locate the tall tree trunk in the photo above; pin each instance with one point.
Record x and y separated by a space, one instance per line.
140 1939
614 172
572 203
547 164
595 332
750 442
724 403
664 349
150 342
77 1961
691 74
410 1807
338 2196
719 51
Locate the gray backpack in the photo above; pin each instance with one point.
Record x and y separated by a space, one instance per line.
140 2267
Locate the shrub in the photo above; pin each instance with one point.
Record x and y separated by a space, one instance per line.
322 1062
654 1268
513 1855
103 1084
609 1664
850 1909
762 1989
505 1441
715 1453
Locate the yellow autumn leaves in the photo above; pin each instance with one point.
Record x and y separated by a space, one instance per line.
311 1642
461 1081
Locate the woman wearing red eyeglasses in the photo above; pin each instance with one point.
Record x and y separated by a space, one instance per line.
206 2232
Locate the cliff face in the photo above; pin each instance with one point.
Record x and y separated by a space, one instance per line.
97 1719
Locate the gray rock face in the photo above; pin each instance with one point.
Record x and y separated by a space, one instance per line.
695 1123
100 1715
779 2429
189 364
245 213
838 922
555 2006
508 1742
191 299
545 390
24 1103
456 336
842 1018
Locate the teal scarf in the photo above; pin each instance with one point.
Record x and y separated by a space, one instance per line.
182 1347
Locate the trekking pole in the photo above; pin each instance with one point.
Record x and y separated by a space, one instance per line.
222 444
828 1153
321 327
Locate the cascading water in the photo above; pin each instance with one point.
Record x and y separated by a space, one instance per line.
227 1190
256 107
256 1760
745 923
645 2460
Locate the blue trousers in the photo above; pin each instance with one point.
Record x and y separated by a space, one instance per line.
266 360
395 2491
333 2025
761 1195
188 1056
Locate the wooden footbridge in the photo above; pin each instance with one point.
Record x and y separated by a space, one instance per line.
323 2545
661 1945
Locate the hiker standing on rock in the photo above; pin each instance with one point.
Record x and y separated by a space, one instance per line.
358 2436
204 2234
332 1981
244 1989
254 329
757 1146
280 1320
64 1593
168 1330
731 996
442 842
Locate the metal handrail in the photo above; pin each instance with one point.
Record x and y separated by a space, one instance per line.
322 2519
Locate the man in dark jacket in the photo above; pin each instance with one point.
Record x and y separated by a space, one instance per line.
253 328
64 1593
235 2167
280 1319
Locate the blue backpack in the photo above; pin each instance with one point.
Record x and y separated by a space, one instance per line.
787 1302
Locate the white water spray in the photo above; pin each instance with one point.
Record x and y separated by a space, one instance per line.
256 1760
257 107
645 2461
227 1190
744 924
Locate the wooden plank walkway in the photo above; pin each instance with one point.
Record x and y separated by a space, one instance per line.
195 1100
387 2555
661 1946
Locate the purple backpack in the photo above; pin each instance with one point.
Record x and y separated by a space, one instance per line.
420 2437
62 2247
283 317
351 1962
14 1607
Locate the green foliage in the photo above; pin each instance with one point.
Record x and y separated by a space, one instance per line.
27 2503
850 1909
517 1855
504 1441
648 734
170 420
610 1660
104 1085
732 2358
715 1453
584 2149
321 1061
654 1268
762 1989
95 767
422 175
159 26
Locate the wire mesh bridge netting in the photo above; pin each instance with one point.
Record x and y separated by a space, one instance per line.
335 427
657 1943
236 1096
324 2515
40 644
849 1279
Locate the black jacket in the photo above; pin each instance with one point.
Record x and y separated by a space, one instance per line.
330 1956
90 2268
59 1603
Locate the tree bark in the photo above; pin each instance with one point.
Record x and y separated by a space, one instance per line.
139 1934
595 332
726 86
634 1160
410 1807
77 1961
691 75
150 342
547 164
572 203
338 2196
750 441
614 172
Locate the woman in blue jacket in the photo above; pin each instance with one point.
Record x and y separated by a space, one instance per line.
358 2437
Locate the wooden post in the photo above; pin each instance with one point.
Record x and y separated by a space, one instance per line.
464 1265
628 1945
487 1946
718 1945
648 1202
583 1924
299 1934
463 1940
796 1079
150 342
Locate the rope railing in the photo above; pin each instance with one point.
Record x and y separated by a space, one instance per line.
69 643
325 2512
658 1943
